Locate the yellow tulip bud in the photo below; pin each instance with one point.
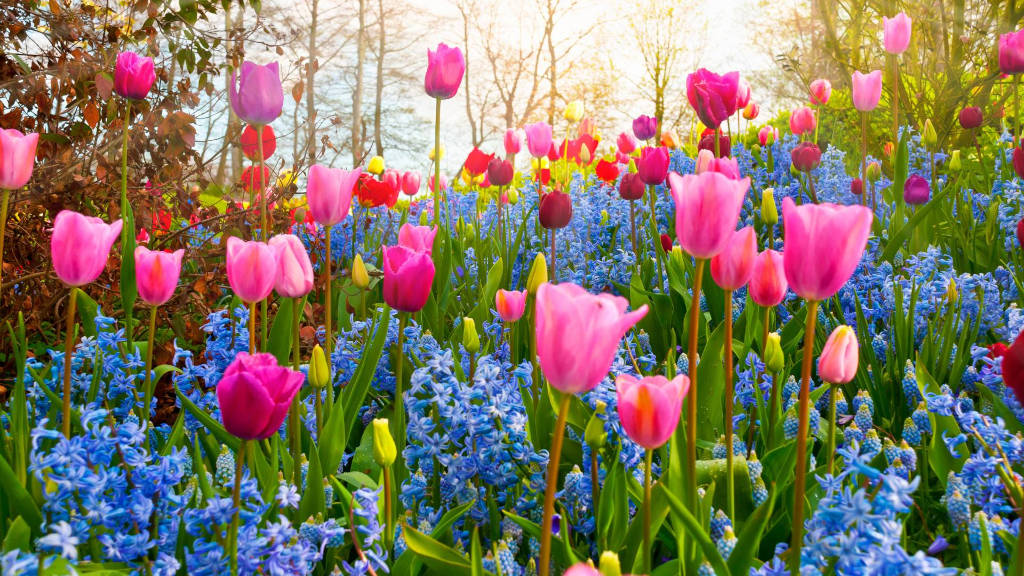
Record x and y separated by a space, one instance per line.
604 218
376 165
319 369
955 164
574 111
470 339
769 211
609 564
433 153
952 294
513 196
929 137
384 451
774 359
585 156
538 273
359 275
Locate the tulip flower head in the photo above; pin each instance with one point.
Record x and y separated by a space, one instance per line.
824 243
653 165
631 187
295 271
742 94
156 274
538 139
329 193
821 91
252 268
1013 367
445 68
707 210
896 33
80 245
411 183
649 407
500 172
250 142
408 275
17 158
867 90
712 97
255 93
581 569
838 361
731 268
510 304
133 76
578 334
916 190
768 284
574 111
751 111
1011 52
417 238
626 143
254 395
555 210
767 135
802 121
970 117
806 156
513 142
645 127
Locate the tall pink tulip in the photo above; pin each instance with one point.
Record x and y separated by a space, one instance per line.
838 361
256 94
768 279
445 68
649 407
626 143
707 210
742 94
510 304
712 97
295 271
252 269
821 91
408 275
538 139
254 395
767 135
513 144
824 243
653 165
731 268
17 158
393 178
411 183
896 33
133 76
329 193
1011 52
578 334
417 238
867 89
80 245
156 274
802 121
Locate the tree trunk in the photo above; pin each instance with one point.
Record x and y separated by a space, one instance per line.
357 92
553 70
311 67
378 139
465 77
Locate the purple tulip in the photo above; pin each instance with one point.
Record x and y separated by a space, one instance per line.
256 95
645 127
653 165
916 190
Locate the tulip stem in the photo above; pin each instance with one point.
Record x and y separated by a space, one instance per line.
691 401
554 273
328 289
1016 116
69 348
3 228
236 499
718 145
801 438
595 488
389 518
833 393
252 328
655 236
729 482
632 228
895 99
551 485
648 463
264 231
437 161
294 430
126 230
148 398
864 154
398 423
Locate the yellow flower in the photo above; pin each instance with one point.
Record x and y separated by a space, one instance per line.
384 450
359 275
574 111
376 165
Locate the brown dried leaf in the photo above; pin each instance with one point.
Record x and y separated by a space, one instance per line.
91 114
104 85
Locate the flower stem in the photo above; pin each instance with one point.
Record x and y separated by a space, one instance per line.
148 398
632 228
294 429
691 399
398 422
595 488
252 328
895 99
437 162
655 237
69 348
236 499
3 228
864 154
551 485
729 482
832 428
129 319
389 517
554 273
328 288
648 462
801 438
1016 133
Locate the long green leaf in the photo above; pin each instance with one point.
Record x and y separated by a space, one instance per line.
749 540
19 498
215 428
435 554
694 529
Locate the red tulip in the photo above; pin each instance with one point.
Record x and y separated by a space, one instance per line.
555 210
857 186
970 117
707 142
631 187
250 142
372 192
607 171
476 162
666 243
1020 232
500 172
806 156
1013 367
411 183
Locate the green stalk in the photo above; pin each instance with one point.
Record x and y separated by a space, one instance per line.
551 485
691 399
148 397
729 482
648 462
437 162
398 422
236 499
864 154
3 229
328 288
832 428
69 349
389 517
294 429
1016 132
129 318
801 439
264 230
252 328
654 231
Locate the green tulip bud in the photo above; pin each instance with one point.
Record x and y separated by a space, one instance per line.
774 360
470 339
604 218
793 172
594 434
538 273
756 150
769 211
632 166
609 565
955 163
423 218
929 138
513 196
384 451
874 171
319 369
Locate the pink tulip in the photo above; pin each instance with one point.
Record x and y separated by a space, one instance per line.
513 144
156 274
510 304
707 210
824 242
329 193
133 76
252 269
626 143
768 279
582 569
578 334
821 91
751 111
392 178
295 271
417 238
867 89
254 395
1011 52
896 33
838 361
444 183
17 158
712 97
731 268
538 139
411 183
256 95
408 275
742 94
802 121
445 67
80 245
649 407
653 165
767 135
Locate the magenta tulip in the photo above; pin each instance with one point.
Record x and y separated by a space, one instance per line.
133 76
802 121
821 91
445 67
156 274
329 193
767 284
295 271
538 139
649 407
393 178
581 569
17 158
417 238
970 117
80 245
578 334
824 243
645 127
867 89
254 395
653 165
916 190
896 36
731 268
411 183
252 269
767 135
707 210
1011 52
626 143
256 95
513 144
510 304
712 97
838 361
408 275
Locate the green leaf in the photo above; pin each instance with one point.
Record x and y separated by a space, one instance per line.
404 564
476 555
558 545
215 428
87 310
749 540
435 554
711 382
280 338
941 460
18 498
694 529
313 499
19 536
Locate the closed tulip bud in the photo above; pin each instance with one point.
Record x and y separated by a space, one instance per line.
510 304
156 274
916 190
538 139
133 76
609 564
585 156
329 193
255 93
80 245
769 210
929 138
653 165
838 361
17 158
767 286
802 121
857 186
470 339
774 359
867 89
955 164
751 111
645 127
513 196
319 370
411 183
594 433
513 143
731 268
359 275
500 172
970 117
252 268
555 210
874 171
649 407
627 143
579 568
631 187
631 168
538 274
666 242
1013 367
424 220
821 91
295 271
574 111
384 450
254 395
896 33
604 218
445 68
767 135
376 165
433 154
408 275
952 295
806 156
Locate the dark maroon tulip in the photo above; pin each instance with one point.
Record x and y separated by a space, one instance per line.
1013 367
857 186
707 142
666 242
555 210
500 172
970 117
916 190
653 165
631 187
1020 232
1018 162
806 156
